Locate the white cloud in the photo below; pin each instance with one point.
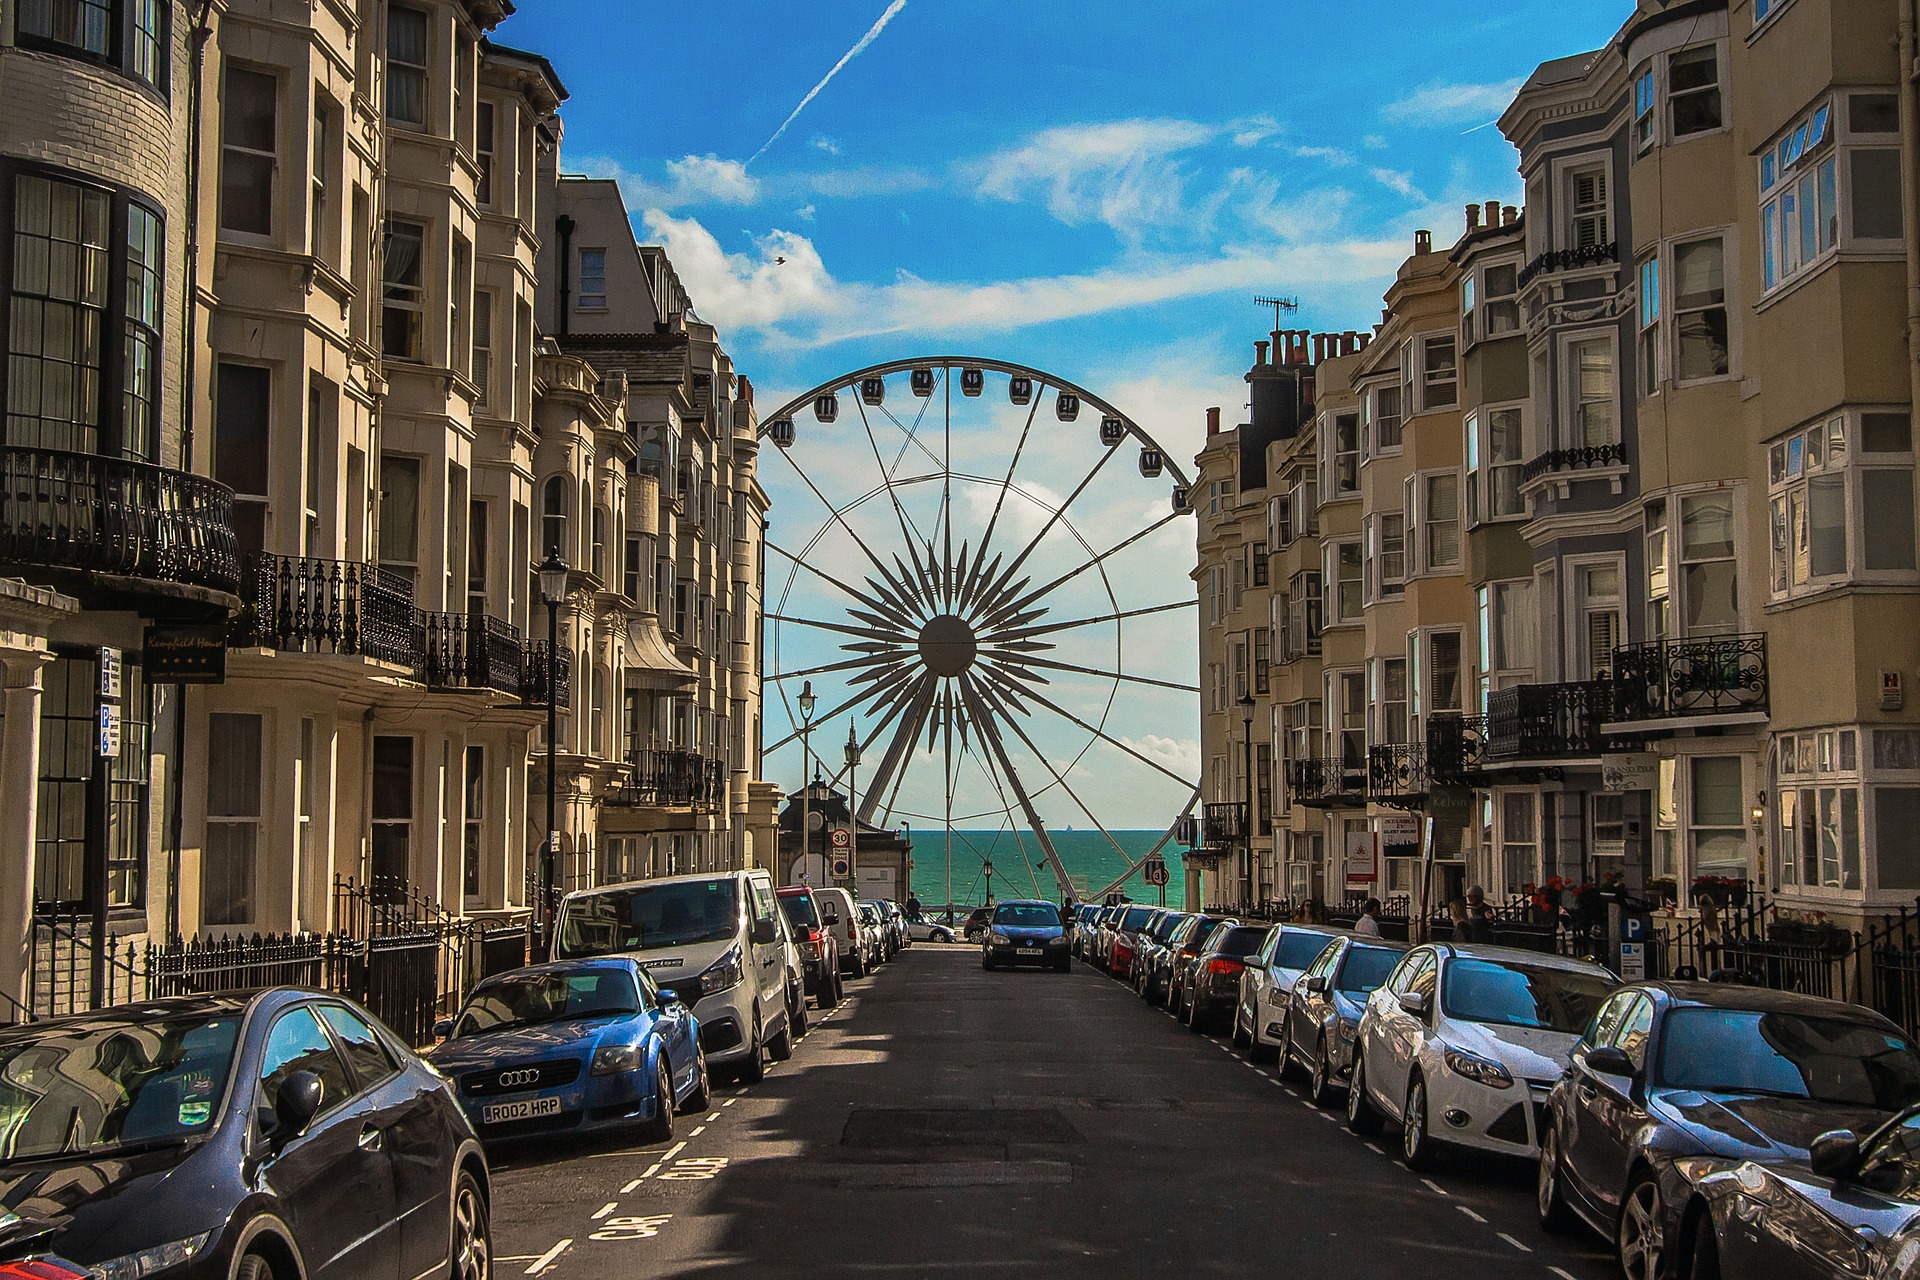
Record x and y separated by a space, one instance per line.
1251 133
1336 157
805 213
821 142
710 178
1374 142
1399 182
1441 103
1122 173
1181 755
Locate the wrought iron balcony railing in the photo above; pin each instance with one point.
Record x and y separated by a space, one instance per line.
467 651
1224 825
1455 747
1599 455
534 675
1553 260
1396 771
1673 679
1324 781
70 515
1548 721
305 605
672 778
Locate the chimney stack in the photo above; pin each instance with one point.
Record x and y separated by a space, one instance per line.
1351 339
1473 218
1493 213
1319 348
1213 421
1509 216
1365 338
1259 354
1423 242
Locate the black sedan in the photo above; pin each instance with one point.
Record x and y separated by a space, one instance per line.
1676 1082
1026 932
261 1136
1213 983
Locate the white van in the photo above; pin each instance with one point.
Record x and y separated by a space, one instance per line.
842 917
716 941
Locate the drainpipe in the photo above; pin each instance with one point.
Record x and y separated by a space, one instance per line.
565 224
202 32
1909 202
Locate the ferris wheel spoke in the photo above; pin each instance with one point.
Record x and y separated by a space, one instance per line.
1006 483
865 660
1134 868
990 734
1050 664
1059 513
1100 733
986 771
878 726
909 533
838 516
838 628
1037 592
822 721
912 439
1019 633
899 747
824 576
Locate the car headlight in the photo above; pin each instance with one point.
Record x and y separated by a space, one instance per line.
1478 1069
613 1059
729 971
998 938
159 1258
1694 1168
1060 941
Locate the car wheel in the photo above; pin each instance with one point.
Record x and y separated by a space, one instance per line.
1416 1141
1320 1085
859 964
780 1047
1258 1052
1289 1069
1240 1040
701 1095
1637 1238
1363 1117
472 1231
255 1267
660 1128
839 985
829 986
943 936
1551 1204
1705 1262
753 1067
1196 1017
797 1012
986 961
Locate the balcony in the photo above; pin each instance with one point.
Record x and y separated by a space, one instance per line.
672 779
1601 455
1224 825
1323 783
1554 260
1547 721
1716 677
466 651
71 519
1456 745
534 676
1397 774
300 604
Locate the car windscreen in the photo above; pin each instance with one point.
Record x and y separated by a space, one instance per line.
526 999
799 909
649 917
1363 969
1164 930
1516 994
1240 943
1027 915
1135 917
100 1087
1299 949
1201 931
1790 1055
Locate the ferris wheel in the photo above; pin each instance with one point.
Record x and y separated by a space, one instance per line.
989 599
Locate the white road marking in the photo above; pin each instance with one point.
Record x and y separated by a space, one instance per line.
1432 1186
1471 1214
1328 1116
698 1130
729 1102
632 1186
545 1260
1375 1148
713 1117
1515 1243
673 1151
1564 1275
606 1209
1267 1074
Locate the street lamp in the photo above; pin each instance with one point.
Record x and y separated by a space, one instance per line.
553 589
1246 717
853 813
807 704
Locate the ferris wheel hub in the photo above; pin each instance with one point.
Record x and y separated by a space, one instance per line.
948 645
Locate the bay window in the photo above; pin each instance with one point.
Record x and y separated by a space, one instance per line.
1342 454
1386 418
1650 326
1693 91
407 67
249 146
1439 374
403 290
1717 816
127 35
1343 569
1303 605
1708 571
1590 391
1852 140
1434 498
1700 310
1841 502
1494 465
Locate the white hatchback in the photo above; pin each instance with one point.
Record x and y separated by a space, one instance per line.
1462 1044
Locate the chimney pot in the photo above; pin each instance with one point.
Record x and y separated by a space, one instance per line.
1259 353
1365 338
1213 421
1509 216
1319 348
1423 242
1473 218
1493 213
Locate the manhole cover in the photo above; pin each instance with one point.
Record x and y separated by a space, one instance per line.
879 1128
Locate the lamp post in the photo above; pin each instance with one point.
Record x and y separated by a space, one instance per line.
553 589
807 704
1246 718
853 812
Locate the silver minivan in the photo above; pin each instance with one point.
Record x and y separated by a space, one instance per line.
716 941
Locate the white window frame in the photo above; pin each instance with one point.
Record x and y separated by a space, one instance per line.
1572 433
1334 457
1648 326
1672 99
1581 662
1481 468
1678 313
1598 214
595 299
1429 383
1422 518
1332 615
1378 417
233 153
1646 109
1791 471
244 828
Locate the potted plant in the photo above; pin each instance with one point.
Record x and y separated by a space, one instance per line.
1664 889
1727 891
1810 929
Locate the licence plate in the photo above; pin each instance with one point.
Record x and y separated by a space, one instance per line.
525 1109
1029 951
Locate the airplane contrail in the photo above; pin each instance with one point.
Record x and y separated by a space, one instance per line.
873 33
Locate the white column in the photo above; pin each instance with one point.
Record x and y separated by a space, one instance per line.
19 778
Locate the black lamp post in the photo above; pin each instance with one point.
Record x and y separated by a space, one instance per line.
553 589
1246 717
853 813
807 703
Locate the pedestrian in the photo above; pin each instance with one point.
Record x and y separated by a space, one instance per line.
1479 916
913 906
1369 921
1462 923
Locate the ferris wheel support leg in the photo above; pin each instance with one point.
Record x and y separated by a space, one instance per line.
990 732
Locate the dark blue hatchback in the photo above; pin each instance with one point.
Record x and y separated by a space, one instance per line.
1026 931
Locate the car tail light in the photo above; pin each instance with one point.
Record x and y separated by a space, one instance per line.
814 937
44 1269
1224 966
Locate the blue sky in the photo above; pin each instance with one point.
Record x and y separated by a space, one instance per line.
1085 186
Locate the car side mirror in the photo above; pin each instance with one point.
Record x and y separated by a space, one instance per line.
765 931
1417 1003
443 1029
1835 1155
1608 1060
669 998
1314 986
297 1103
830 917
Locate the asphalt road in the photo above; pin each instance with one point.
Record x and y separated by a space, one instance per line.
948 1121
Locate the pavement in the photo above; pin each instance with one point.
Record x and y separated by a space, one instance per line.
945 1121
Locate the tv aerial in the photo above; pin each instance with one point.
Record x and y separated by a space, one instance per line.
1279 305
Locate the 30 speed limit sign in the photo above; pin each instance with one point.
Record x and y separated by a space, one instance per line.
1156 873
841 838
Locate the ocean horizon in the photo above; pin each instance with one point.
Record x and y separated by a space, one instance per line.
1020 869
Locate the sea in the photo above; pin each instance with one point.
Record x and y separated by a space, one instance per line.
1020 869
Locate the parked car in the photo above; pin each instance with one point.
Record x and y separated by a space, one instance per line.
1323 1011
842 919
717 940
1462 1043
890 939
1260 1016
574 1045
930 929
819 949
1150 965
1026 931
1212 989
1086 925
976 926
238 1136
1106 931
879 950
1183 951
897 921
1686 1097
1126 939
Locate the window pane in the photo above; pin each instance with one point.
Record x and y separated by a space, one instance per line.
233 766
1711 605
1717 798
1698 278
241 406
1876 194
1706 527
1703 343
392 778
399 509
1885 433
1896 816
1887 501
1873 113
1827 524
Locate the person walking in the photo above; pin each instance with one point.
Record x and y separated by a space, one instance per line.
1462 923
1369 921
1479 916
